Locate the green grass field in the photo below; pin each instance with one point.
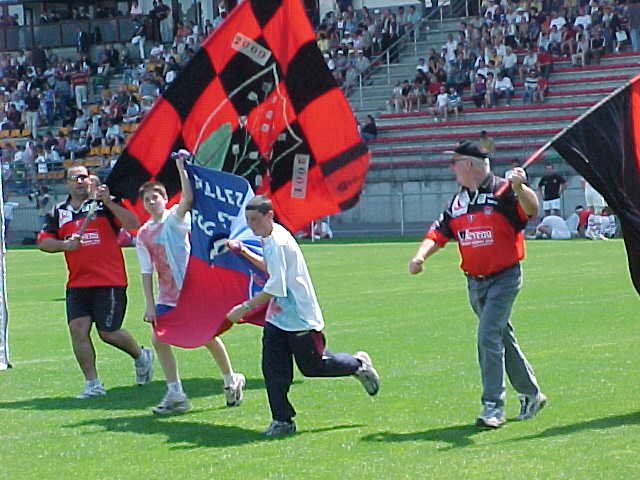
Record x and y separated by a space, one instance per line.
577 320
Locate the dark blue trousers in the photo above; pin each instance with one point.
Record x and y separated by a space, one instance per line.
279 347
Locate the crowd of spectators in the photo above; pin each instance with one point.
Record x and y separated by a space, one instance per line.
55 109
349 39
483 56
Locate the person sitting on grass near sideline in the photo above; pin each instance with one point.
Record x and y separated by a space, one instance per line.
163 245
294 321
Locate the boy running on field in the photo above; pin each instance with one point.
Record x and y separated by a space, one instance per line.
163 245
294 321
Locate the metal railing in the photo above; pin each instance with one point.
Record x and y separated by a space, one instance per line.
383 59
65 33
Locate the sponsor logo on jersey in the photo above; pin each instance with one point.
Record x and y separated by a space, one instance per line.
476 237
90 237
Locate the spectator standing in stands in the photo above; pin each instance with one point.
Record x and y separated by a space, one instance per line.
633 11
551 187
80 83
33 112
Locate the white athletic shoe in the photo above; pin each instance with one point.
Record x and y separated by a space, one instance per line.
94 391
491 416
173 402
233 393
367 375
144 366
530 405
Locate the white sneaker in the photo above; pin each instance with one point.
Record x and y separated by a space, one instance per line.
94 391
530 405
173 402
491 416
233 393
367 375
144 366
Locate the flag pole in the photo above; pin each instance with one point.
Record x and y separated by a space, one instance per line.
535 156
4 312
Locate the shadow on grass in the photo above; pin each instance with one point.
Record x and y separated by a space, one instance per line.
129 397
188 435
595 424
457 436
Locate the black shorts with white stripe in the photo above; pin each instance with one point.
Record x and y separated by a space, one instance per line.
105 305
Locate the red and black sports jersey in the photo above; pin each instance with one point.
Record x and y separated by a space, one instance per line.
488 229
98 262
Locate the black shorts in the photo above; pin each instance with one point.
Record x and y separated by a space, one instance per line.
105 305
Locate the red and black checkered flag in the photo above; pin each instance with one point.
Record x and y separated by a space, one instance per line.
258 101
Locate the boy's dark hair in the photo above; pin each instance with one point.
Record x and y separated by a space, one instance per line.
260 203
152 187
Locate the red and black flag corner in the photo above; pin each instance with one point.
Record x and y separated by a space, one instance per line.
604 147
258 101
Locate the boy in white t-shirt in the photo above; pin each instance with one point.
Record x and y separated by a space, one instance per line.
163 245
294 322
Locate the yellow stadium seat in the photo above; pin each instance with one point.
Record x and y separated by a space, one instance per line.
4 133
26 132
116 149
15 133
94 151
64 131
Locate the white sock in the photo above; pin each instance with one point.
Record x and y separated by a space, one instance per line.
175 387
93 383
228 379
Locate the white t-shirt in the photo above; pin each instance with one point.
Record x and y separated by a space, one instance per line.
559 228
294 306
584 20
509 60
504 84
443 99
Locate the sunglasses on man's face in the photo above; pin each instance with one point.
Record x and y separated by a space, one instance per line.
74 178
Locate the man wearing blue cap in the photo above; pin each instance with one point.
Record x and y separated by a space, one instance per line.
487 218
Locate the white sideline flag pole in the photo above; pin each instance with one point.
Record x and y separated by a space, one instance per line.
4 313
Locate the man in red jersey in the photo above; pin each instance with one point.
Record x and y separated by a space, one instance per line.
86 230
489 230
